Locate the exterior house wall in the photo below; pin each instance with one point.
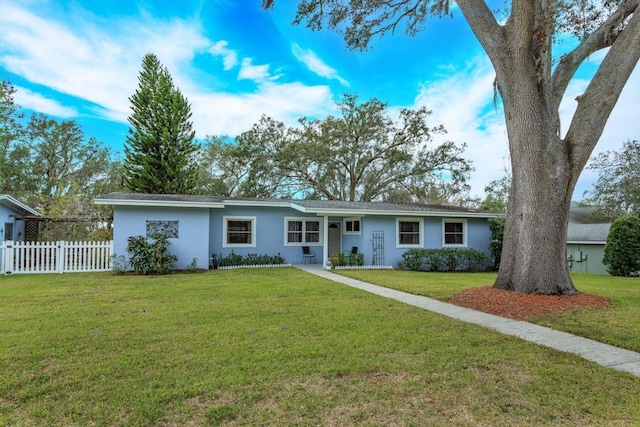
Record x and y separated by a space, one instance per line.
270 232
590 261
478 236
202 232
7 216
193 231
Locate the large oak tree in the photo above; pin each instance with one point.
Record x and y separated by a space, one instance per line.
545 165
362 154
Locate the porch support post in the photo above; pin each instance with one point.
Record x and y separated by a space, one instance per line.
325 240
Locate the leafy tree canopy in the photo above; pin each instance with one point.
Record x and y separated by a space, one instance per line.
617 191
362 154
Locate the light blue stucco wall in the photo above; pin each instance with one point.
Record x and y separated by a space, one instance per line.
193 231
270 232
478 236
201 233
7 215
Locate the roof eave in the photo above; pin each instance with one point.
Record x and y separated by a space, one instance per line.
159 203
17 205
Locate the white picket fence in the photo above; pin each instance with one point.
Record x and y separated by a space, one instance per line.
55 257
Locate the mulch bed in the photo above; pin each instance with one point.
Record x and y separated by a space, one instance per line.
521 306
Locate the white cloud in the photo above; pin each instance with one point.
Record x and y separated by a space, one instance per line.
315 64
462 102
36 102
88 60
100 61
229 57
253 72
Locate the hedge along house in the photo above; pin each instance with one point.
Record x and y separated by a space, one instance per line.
199 226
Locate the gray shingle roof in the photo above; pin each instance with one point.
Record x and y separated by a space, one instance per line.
593 233
310 205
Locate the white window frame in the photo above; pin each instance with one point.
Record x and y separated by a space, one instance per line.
352 220
225 221
464 232
304 221
420 222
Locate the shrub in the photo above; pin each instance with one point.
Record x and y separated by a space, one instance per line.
446 259
340 259
145 256
234 259
622 251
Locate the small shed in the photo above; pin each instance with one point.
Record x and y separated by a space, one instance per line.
585 242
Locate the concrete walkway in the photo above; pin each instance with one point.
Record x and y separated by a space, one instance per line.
602 354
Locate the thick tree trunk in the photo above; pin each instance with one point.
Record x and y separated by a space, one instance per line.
534 251
543 178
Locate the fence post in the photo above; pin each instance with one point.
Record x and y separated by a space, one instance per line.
7 257
60 256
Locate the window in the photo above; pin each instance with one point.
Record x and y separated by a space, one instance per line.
300 231
8 231
239 232
352 226
410 232
454 232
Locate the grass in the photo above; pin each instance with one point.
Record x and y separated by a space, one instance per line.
618 325
274 347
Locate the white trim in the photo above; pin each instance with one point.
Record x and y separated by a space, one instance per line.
225 219
13 203
304 221
159 203
319 211
352 219
420 222
462 221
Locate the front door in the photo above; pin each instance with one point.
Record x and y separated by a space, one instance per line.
335 238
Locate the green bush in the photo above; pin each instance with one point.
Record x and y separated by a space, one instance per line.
446 259
234 259
146 256
340 259
622 251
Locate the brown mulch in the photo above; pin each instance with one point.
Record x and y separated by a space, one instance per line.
521 306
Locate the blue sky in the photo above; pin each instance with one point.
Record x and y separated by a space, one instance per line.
234 62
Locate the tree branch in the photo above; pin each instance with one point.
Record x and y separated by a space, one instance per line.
601 38
597 102
484 26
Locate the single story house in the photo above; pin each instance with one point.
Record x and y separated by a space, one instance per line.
200 226
12 218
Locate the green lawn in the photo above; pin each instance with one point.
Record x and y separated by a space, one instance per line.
275 347
617 325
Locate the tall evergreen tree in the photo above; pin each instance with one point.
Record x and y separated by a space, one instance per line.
160 149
